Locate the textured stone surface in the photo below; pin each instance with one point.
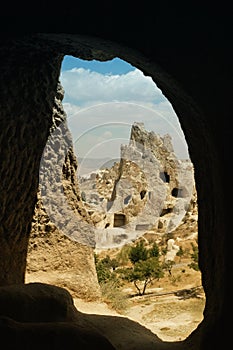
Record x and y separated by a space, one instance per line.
149 189
26 103
155 159
59 238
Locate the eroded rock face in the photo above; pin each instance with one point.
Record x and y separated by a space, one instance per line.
61 240
149 192
150 189
28 91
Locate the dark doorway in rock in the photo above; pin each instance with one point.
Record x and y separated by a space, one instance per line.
166 211
119 220
142 194
164 176
127 199
177 192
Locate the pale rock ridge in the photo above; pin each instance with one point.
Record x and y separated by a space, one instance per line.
62 238
149 189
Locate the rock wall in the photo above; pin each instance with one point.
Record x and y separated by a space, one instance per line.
28 91
149 190
152 186
60 242
137 198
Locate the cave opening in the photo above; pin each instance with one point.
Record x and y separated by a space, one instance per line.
105 137
181 151
176 192
165 176
119 220
142 194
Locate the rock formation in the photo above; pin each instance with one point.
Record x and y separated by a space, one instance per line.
166 183
60 241
148 192
150 189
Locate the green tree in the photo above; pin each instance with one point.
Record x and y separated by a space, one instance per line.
154 251
104 268
110 263
137 253
144 271
106 261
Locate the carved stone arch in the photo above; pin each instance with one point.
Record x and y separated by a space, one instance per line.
27 105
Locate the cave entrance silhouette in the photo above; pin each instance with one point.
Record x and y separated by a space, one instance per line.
120 219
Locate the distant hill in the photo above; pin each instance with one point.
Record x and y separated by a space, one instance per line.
110 163
89 165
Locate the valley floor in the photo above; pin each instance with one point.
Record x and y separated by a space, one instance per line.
170 316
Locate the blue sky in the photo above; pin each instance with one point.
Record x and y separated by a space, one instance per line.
103 99
115 66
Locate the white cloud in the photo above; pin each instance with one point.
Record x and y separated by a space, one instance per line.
97 102
112 120
86 87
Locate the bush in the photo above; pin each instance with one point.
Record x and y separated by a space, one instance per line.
103 272
104 268
113 296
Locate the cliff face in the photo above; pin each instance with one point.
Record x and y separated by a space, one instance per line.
62 238
149 190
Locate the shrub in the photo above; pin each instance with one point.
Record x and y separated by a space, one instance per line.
113 296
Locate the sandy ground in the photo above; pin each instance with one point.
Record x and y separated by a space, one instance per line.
170 317
94 307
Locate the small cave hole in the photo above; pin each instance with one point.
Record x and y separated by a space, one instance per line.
164 176
127 199
177 192
119 220
142 194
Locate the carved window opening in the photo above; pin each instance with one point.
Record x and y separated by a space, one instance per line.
119 220
177 192
127 199
164 176
166 211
